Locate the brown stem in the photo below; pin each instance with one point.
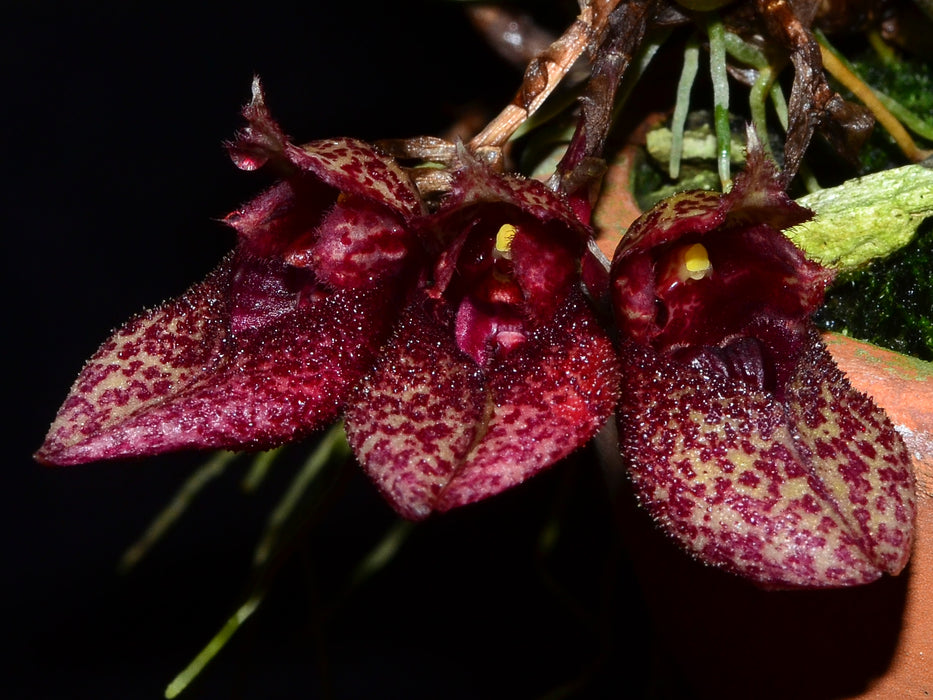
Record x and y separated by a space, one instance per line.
813 104
545 73
627 26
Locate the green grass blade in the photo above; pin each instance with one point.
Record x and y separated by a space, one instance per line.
333 444
242 614
210 470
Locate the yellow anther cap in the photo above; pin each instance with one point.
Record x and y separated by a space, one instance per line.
696 261
504 239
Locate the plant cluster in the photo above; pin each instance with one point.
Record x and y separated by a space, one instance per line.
452 302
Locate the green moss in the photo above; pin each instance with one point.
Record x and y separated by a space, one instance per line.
889 303
909 83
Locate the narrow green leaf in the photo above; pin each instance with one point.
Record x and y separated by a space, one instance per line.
333 444
262 462
384 551
242 614
210 470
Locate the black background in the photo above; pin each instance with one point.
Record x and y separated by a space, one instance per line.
113 179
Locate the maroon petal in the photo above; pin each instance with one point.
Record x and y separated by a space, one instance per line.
474 182
347 240
755 271
475 186
270 224
758 196
262 139
482 332
356 243
347 165
546 264
253 356
435 433
695 211
817 492
355 167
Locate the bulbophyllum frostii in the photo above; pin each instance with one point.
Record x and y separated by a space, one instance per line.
459 318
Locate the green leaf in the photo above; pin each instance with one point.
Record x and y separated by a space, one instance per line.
866 218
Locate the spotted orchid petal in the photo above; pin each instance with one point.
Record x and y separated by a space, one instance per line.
434 430
345 164
270 345
192 373
499 367
743 439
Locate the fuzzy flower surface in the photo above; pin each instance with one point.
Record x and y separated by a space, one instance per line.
498 366
459 344
266 349
743 439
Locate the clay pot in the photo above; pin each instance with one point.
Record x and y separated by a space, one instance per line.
904 388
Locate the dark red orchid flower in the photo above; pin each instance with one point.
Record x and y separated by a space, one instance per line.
267 348
743 439
498 367
495 368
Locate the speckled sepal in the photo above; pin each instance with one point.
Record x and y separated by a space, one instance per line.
347 165
476 183
249 358
816 491
436 431
267 348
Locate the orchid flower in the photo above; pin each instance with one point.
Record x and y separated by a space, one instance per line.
744 441
266 349
498 367
495 368
461 346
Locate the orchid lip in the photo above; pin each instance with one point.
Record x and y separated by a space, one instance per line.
743 439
